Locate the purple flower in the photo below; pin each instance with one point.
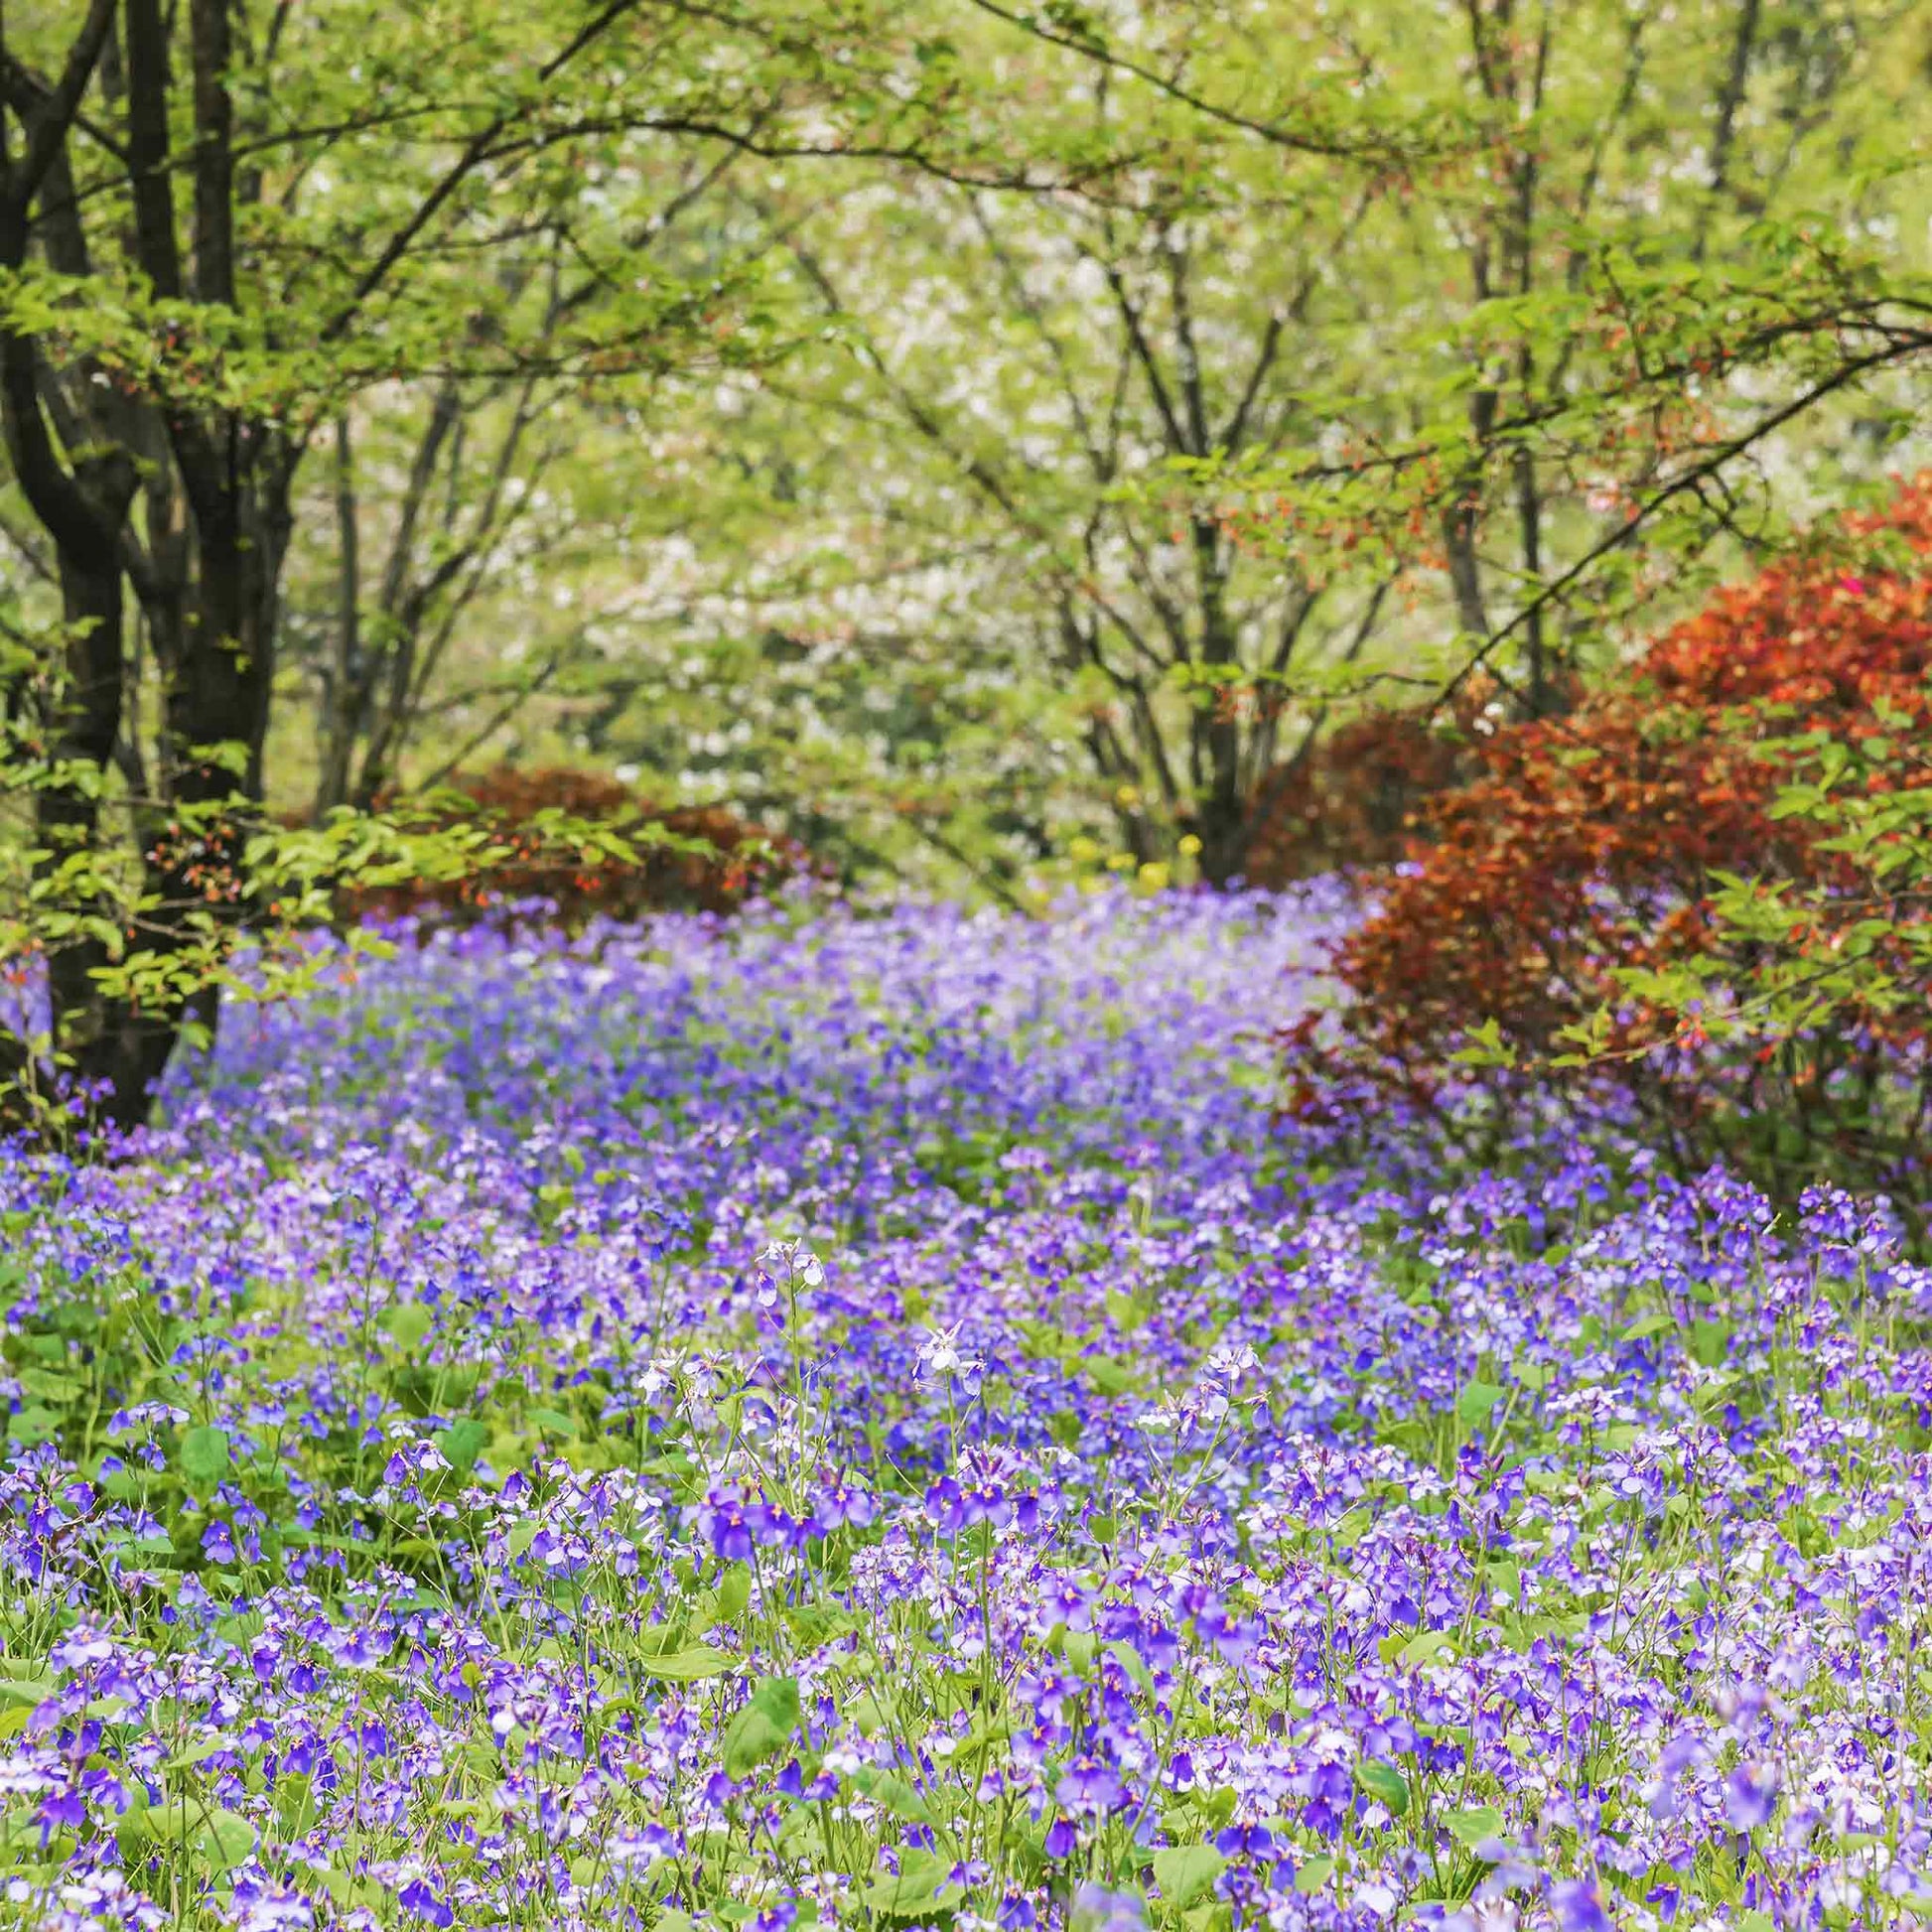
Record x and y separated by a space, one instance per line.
62 1811
418 1898
1580 1907
1245 1841
840 1506
1096 1909
772 1527
1750 1794
726 1525
1089 1784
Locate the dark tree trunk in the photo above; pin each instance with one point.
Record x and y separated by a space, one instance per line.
114 1050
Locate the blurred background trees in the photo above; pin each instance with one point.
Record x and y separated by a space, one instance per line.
980 443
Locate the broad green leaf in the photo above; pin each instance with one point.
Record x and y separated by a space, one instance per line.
200 1752
226 1840
408 1323
1315 1874
1647 1325
463 1442
1186 1872
922 1884
1710 1342
1384 1783
894 1794
205 1457
1477 1403
733 1594
689 1665
1475 1825
1427 1646
765 1726
1108 1376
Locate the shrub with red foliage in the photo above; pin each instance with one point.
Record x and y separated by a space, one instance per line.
1590 845
1351 799
736 860
1355 797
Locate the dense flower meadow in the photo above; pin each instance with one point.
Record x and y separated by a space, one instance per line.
876 1421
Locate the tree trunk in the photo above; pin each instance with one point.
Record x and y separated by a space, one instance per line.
1222 815
115 1050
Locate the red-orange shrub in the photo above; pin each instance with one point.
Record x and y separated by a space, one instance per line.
737 858
1351 799
1590 845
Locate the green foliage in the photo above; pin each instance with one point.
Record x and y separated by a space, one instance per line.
1187 1873
1099 504
972 437
1704 897
764 1728
91 920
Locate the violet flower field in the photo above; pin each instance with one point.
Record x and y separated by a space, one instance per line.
871 1420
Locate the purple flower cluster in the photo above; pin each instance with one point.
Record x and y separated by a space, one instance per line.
870 1420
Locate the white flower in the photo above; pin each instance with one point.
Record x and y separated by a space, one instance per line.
940 1354
794 1259
1230 1363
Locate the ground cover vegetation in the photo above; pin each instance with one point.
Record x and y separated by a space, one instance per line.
863 1420
965 966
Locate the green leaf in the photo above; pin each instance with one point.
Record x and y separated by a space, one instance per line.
1427 1646
733 1593
1475 1825
921 1885
34 1425
1315 1874
408 1323
1649 1325
1108 1376
687 1666
198 1753
764 1727
1134 1664
49 1387
1478 1402
1384 1783
1710 1342
463 1442
1186 1872
227 1839
893 1793
205 1457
